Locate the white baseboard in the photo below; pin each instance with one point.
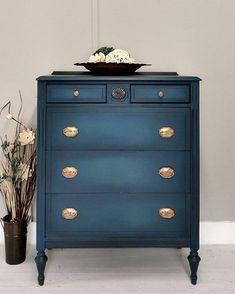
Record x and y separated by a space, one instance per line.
210 233
217 232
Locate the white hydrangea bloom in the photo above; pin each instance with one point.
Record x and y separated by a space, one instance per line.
131 60
26 137
119 56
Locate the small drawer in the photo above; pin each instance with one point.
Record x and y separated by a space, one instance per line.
72 216
76 93
159 93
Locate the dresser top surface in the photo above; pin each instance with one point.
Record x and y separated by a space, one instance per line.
139 76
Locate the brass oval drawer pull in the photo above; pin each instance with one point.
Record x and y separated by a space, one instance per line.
76 93
69 213
69 172
70 131
166 172
166 132
166 212
118 93
160 93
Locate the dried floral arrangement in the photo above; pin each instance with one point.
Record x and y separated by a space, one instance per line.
111 55
18 167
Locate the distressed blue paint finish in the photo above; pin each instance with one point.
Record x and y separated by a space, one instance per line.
152 93
113 171
86 93
118 153
41 166
114 215
118 128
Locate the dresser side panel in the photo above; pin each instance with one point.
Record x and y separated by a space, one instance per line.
195 172
41 165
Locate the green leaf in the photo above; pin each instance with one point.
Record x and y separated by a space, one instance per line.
104 50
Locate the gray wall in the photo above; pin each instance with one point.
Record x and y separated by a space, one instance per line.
193 37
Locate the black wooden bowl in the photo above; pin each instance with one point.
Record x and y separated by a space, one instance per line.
103 68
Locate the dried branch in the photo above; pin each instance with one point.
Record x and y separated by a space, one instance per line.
18 168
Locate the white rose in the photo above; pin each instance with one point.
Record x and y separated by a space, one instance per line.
102 57
92 59
26 137
97 58
8 116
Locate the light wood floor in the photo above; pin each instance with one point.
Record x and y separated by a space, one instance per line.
111 271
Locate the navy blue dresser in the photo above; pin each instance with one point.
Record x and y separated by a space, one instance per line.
118 163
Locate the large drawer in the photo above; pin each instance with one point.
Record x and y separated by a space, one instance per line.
75 216
160 93
117 171
118 128
79 93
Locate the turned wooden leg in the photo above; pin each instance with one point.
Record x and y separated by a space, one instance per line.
41 260
194 260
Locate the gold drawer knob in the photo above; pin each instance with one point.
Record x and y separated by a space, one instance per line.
166 212
69 172
71 131
166 132
166 172
76 93
160 93
69 213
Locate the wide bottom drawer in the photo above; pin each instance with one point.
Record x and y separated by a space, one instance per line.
97 216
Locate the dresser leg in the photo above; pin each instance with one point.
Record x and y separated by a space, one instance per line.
41 260
194 260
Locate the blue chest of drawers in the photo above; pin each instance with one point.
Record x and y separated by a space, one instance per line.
118 163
